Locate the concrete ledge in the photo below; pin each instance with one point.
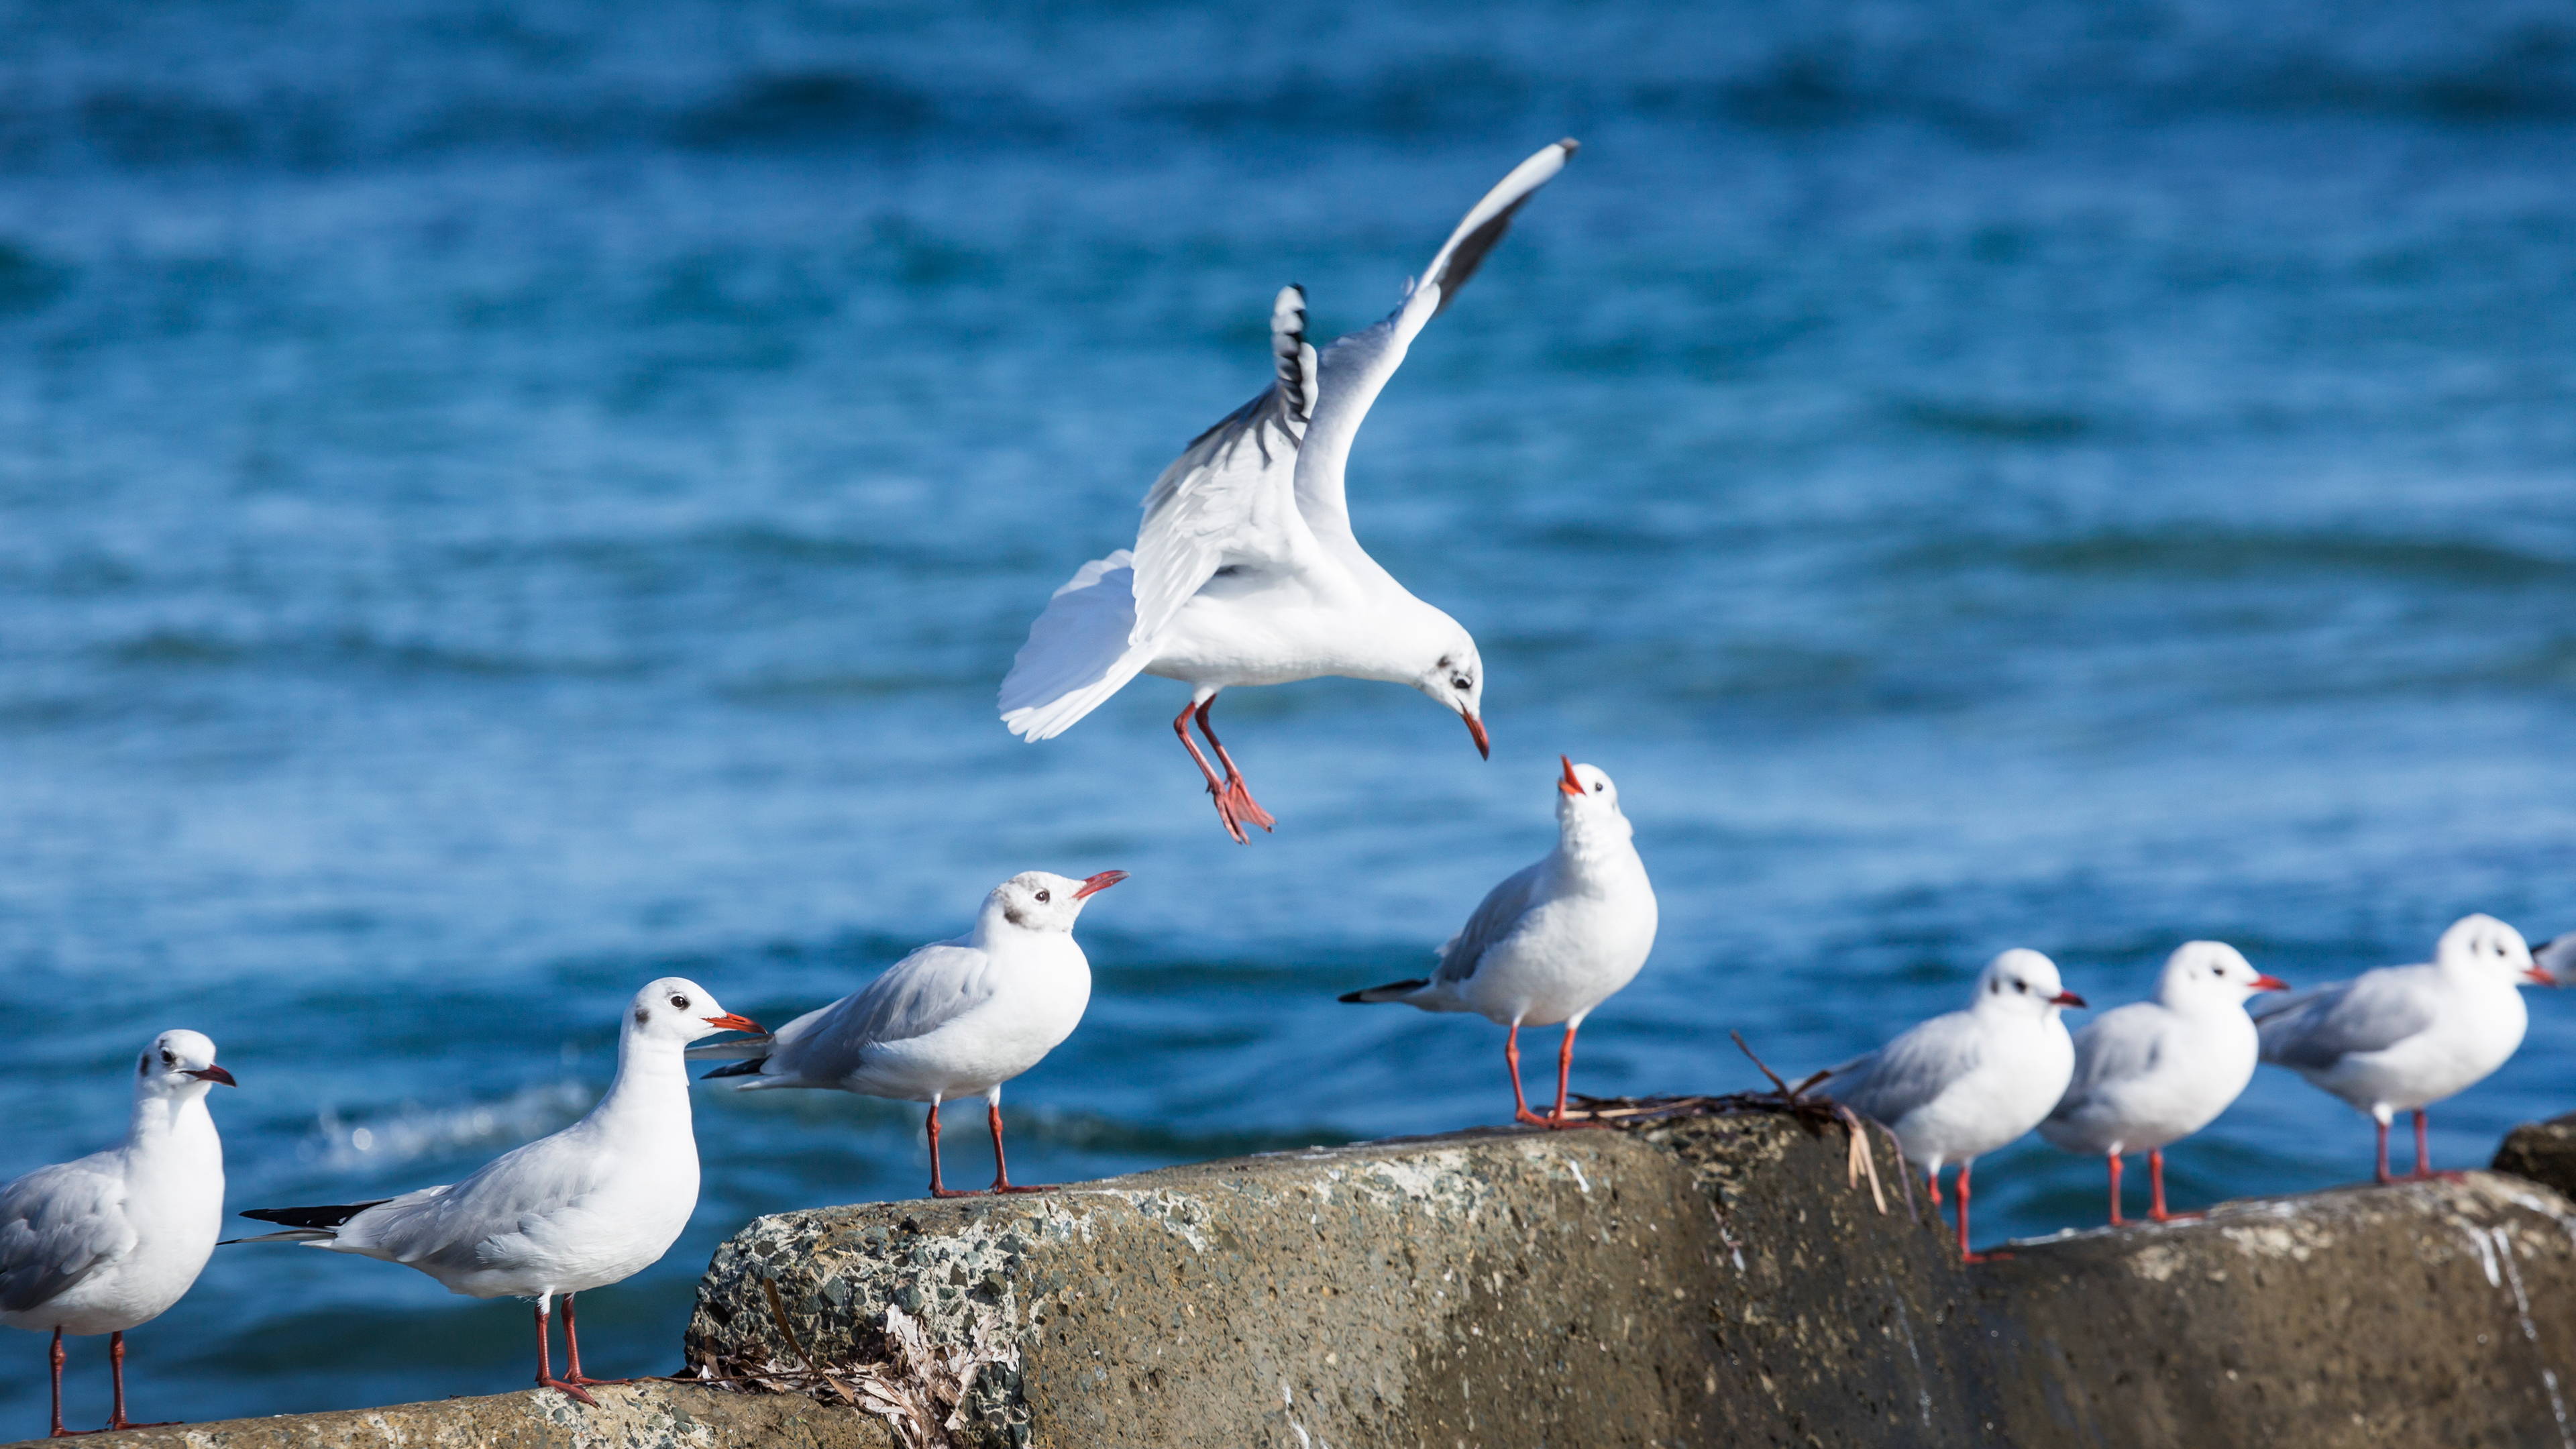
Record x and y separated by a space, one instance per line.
1710 1281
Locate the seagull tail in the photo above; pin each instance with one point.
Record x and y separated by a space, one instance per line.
1391 991
1078 653
305 1224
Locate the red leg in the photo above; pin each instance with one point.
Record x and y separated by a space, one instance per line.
1512 1059
2383 1177
116 1369
546 1370
1002 1169
59 1431
937 1188
2424 1157
572 1351
2115 1189
1965 1256
1932 1180
1238 796
1564 1070
2156 1174
1216 788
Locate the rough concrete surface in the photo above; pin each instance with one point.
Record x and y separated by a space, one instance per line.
1710 1281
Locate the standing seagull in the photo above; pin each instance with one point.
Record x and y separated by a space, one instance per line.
2404 1037
2154 1072
1554 940
955 1018
1965 1083
589 1206
113 1239
1245 570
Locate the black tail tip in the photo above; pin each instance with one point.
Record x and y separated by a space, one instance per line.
736 1069
312 1217
1388 992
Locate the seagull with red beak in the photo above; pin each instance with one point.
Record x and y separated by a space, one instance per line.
110 1241
2154 1072
1245 569
2401 1038
956 1018
1966 1082
1554 940
594 1204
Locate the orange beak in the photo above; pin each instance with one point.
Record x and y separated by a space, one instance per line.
2270 983
731 1022
2538 977
213 1074
2066 998
1098 883
1484 746
1570 785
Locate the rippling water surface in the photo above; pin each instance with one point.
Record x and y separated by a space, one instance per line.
499 504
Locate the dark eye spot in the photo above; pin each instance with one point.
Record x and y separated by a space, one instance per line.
1596 789
679 1003
1459 683
1044 897
169 1060
143 1064
2022 986
643 1014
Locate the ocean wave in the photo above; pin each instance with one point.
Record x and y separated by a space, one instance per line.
411 1132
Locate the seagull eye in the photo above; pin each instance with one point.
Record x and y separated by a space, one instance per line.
680 1003
168 1060
1044 897
2022 986
1459 683
1596 789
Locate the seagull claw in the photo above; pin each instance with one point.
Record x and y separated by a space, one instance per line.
570 1390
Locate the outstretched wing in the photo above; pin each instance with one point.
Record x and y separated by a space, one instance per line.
57 1225
1078 653
1229 501
1356 367
2372 1012
1496 917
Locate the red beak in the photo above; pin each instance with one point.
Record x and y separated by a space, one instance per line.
1484 746
1098 883
2538 977
2270 983
1570 785
731 1022
214 1074
2066 998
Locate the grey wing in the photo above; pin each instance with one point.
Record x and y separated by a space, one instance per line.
1356 368
1496 917
2116 1046
1229 501
57 1225
1909 1071
2372 1012
916 996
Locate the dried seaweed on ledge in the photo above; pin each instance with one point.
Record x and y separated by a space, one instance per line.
1783 1100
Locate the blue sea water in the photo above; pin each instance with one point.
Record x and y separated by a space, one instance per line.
501 503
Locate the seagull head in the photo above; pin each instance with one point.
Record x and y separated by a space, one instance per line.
2211 973
677 1011
1585 796
2482 946
1038 900
1457 679
2023 982
178 1064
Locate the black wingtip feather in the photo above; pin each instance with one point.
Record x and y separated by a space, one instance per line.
313 1217
736 1069
1389 992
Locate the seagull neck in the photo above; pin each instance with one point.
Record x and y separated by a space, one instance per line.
652 1080
1587 839
164 1121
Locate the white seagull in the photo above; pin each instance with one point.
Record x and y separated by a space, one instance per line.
953 1019
2404 1037
1554 940
593 1204
113 1239
1965 1083
1245 570
2154 1072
